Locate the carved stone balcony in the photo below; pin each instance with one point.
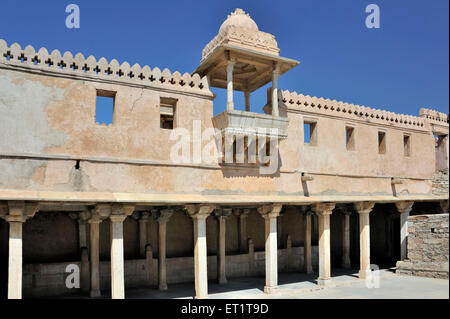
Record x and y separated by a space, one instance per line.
234 122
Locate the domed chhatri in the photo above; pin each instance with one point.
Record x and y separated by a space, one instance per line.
252 54
239 29
239 19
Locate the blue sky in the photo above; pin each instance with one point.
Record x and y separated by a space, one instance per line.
401 67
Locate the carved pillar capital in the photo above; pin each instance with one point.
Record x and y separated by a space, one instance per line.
404 207
306 210
222 213
276 68
200 211
119 212
18 211
141 217
323 208
270 210
81 217
241 213
364 207
99 213
163 215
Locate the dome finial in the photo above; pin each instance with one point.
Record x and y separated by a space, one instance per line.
239 18
237 12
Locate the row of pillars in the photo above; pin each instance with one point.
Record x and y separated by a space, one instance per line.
230 102
16 213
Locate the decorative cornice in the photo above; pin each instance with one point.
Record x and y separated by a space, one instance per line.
306 103
79 66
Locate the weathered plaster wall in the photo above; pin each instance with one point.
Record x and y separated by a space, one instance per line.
55 116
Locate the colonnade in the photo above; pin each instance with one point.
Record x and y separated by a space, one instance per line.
17 212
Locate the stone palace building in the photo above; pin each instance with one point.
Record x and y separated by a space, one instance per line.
109 198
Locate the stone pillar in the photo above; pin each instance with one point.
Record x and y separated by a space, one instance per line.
242 214
162 218
279 231
275 75
118 214
323 211
84 271
149 263
289 253
230 103
251 257
16 213
81 219
307 251
346 264
143 224
443 205
199 213
247 101
404 208
100 212
270 214
364 209
222 215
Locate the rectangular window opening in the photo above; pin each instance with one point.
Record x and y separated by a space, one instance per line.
407 145
310 133
381 142
167 113
350 138
104 109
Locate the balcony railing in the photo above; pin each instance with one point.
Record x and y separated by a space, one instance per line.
234 122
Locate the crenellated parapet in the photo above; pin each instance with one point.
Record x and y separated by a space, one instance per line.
438 120
79 66
305 103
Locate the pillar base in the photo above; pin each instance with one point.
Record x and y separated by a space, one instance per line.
309 271
198 297
223 281
270 289
363 274
324 282
95 293
163 287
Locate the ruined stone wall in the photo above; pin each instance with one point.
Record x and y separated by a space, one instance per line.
428 247
440 182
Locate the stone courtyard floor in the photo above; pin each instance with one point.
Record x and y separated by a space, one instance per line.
346 285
